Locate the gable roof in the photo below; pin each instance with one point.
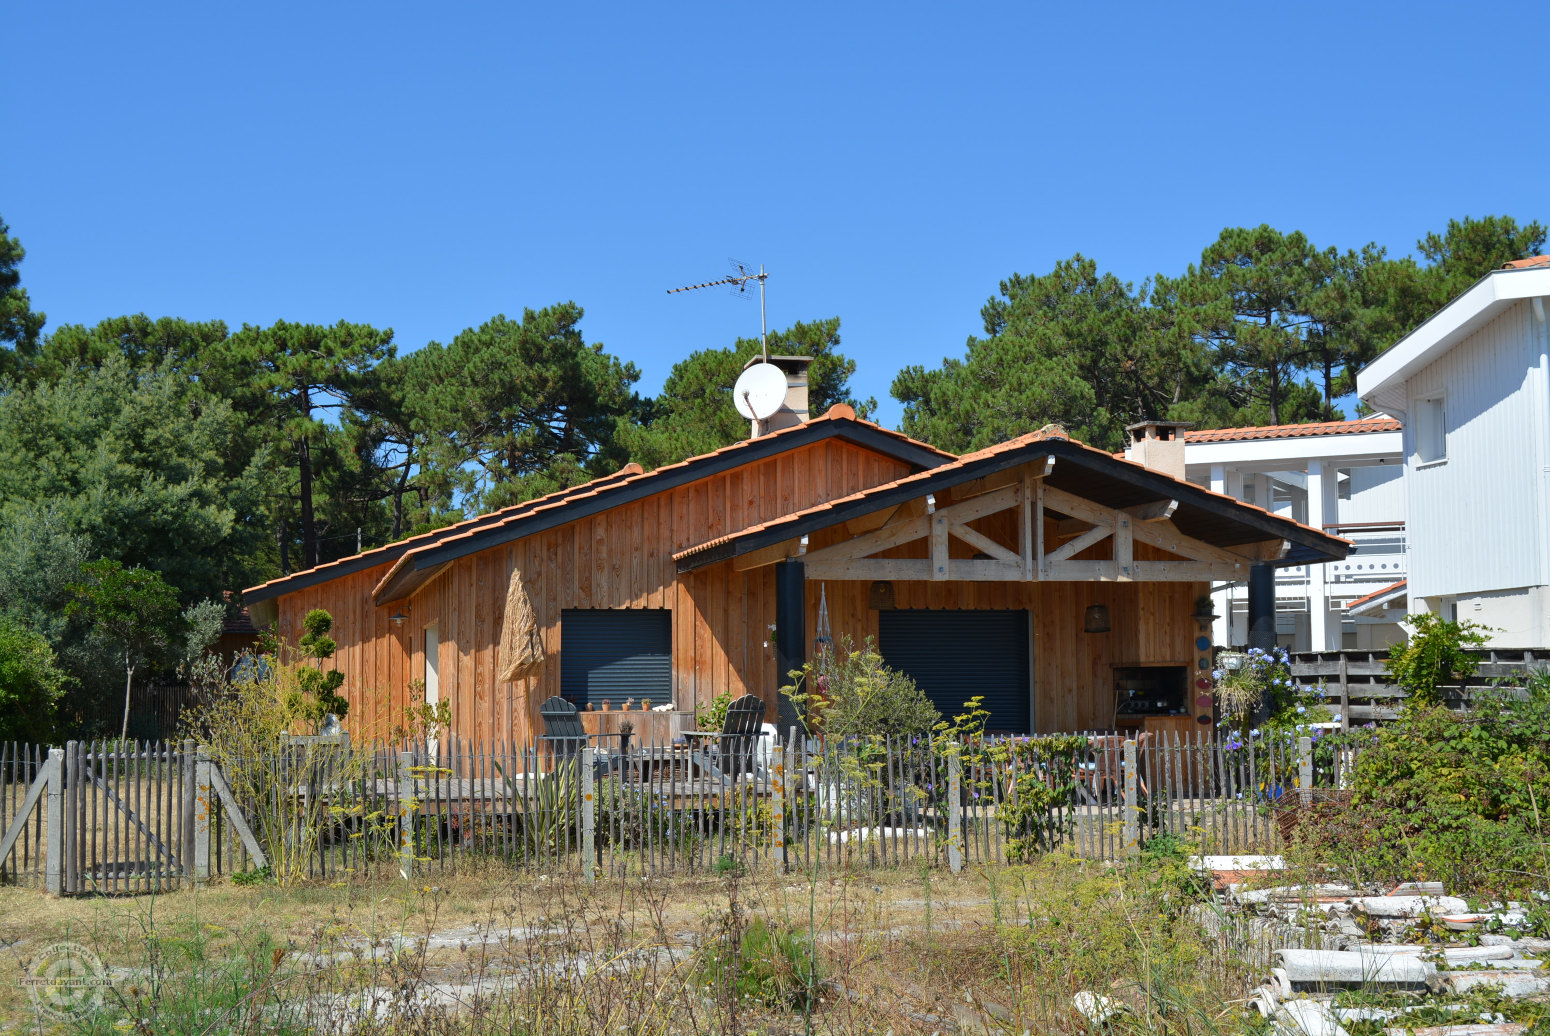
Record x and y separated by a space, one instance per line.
1091 473
1381 383
414 558
1292 431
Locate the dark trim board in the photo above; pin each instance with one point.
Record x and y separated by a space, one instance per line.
1144 485
423 566
644 485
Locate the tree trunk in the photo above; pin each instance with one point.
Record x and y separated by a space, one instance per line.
283 540
309 531
129 676
398 500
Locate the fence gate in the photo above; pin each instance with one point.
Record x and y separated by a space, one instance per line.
126 807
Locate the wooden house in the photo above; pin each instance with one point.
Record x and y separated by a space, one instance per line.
1056 580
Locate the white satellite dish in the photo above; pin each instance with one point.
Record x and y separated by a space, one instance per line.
760 391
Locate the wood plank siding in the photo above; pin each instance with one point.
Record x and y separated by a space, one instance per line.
619 558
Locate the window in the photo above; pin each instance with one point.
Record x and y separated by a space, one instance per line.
616 654
1431 430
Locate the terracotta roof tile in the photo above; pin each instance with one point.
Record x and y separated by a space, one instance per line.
1047 433
630 475
1524 264
1377 594
837 412
1292 431
448 531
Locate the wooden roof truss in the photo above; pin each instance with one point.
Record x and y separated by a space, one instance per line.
1078 524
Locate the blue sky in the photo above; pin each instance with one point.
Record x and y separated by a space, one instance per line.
425 167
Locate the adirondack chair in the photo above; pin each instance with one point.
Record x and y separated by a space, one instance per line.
565 736
731 751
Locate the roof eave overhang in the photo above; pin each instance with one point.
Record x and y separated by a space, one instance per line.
1379 604
420 566
1306 544
1381 384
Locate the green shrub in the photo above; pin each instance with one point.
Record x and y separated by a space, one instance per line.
1434 656
853 693
31 683
762 963
712 715
1037 814
1443 795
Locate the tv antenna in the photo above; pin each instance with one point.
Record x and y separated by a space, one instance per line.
738 282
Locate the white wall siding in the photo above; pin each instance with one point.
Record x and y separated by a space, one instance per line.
1474 523
1377 495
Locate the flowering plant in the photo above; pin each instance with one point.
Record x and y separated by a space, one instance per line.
1264 681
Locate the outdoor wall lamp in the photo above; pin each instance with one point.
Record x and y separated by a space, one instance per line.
1096 619
398 618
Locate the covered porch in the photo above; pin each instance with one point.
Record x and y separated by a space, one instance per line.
1055 580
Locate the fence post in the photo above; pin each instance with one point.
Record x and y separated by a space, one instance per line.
54 874
778 804
1132 827
406 815
203 809
186 804
954 809
588 814
1305 770
70 829
1345 692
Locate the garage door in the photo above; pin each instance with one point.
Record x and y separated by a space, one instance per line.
614 655
955 655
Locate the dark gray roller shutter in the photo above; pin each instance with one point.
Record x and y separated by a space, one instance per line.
616 654
954 655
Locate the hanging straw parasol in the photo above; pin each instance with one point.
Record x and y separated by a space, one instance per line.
522 648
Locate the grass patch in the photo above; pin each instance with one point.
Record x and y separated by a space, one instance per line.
740 952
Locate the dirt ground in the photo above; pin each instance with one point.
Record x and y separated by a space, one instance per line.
913 951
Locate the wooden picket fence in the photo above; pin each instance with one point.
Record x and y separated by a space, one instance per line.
114 818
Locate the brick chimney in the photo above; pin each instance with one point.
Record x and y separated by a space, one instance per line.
1158 445
794 411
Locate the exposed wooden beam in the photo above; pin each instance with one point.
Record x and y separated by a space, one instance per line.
995 480
892 535
1152 511
1166 536
1264 550
1025 526
979 541
868 522
767 555
908 569
1071 548
1141 571
897 532
1062 502
1124 540
1035 559
1071 527
940 526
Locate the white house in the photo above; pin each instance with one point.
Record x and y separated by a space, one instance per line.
1343 476
1472 389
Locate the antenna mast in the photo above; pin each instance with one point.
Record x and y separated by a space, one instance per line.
739 283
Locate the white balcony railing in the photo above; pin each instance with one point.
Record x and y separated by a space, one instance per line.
1376 559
